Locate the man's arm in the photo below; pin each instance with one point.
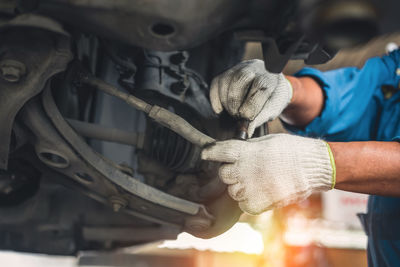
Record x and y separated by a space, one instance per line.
287 168
364 167
307 101
368 167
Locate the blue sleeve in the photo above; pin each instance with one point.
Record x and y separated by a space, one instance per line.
352 98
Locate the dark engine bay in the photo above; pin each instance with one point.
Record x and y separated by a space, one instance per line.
105 109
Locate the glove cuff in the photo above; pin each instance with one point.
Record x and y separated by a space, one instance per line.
290 86
318 165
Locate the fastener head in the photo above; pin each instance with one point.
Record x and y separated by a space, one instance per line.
197 224
12 70
118 203
116 207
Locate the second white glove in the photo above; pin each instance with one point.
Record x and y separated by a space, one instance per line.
249 91
274 170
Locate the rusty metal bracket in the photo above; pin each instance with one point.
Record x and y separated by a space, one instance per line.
56 154
130 184
32 49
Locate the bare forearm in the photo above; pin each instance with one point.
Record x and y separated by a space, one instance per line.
368 167
307 101
364 167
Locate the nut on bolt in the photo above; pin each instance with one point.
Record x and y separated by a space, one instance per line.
12 70
180 86
118 203
197 224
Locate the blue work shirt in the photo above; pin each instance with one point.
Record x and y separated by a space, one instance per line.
361 105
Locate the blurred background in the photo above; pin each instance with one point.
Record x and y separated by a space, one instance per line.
321 231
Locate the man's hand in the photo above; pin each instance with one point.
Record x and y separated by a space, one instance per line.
273 171
249 91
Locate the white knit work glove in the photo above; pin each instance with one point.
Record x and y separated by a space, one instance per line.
274 170
249 91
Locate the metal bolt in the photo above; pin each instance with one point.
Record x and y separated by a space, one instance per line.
180 86
118 203
12 70
197 223
116 207
179 58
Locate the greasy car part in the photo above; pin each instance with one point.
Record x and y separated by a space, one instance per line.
159 114
157 143
162 144
25 69
95 131
164 75
274 59
133 186
61 216
183 24
227 213
47 140
277 53
190 156
126 64
58 230
12 70
123 60
159 25
18 184
341 23
211 190
164 79
185 186
170 149
156 174
192 186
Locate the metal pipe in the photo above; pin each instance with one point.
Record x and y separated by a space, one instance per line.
111 90
99 132
159 114
180 126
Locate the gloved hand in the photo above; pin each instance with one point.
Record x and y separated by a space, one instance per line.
249 91
274 170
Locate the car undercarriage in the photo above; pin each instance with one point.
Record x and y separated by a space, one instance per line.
105 110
